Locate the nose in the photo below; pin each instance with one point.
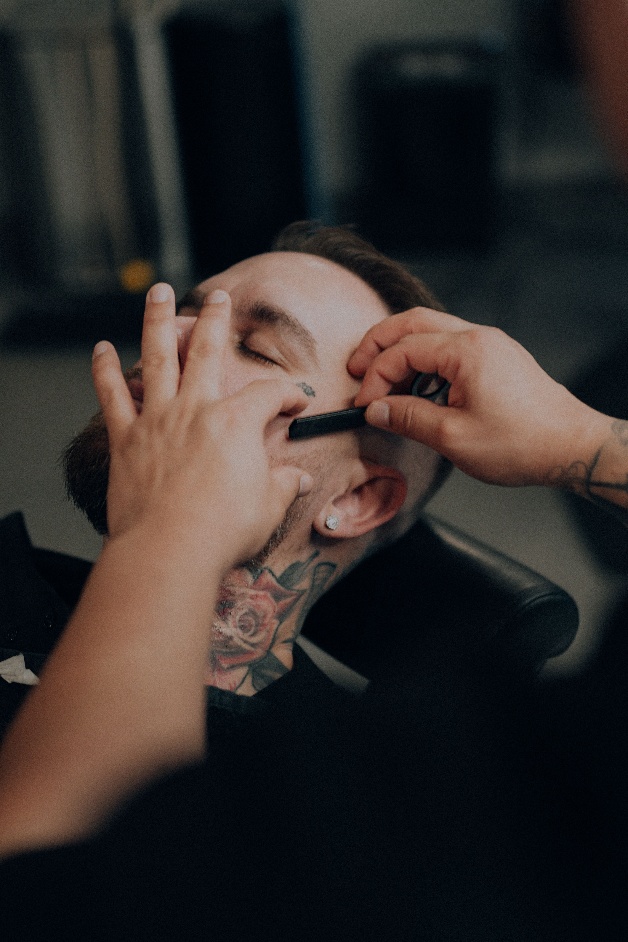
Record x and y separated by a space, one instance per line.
184 331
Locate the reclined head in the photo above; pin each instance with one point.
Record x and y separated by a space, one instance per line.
300 310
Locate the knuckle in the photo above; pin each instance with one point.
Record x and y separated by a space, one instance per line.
474 337
480 341
201 348
154 361
484 336
155 315
412 317
406 419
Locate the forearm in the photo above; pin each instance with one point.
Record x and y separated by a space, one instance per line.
190 480
121 699
598 467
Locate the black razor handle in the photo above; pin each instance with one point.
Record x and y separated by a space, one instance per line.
339 421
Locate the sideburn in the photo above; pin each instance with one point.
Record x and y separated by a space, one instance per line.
85 464
293 515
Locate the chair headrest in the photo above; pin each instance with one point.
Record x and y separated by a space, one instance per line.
440 588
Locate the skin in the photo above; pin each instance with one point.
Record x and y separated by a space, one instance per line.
507 422
87 737
262 605
201 474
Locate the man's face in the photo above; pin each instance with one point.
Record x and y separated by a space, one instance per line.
293 315
296 316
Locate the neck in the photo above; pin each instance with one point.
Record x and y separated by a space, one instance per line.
259 614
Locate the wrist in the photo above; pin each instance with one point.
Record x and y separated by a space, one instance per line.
174 543
576 447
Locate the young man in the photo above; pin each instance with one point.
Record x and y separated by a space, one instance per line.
302 812
181 649
296 313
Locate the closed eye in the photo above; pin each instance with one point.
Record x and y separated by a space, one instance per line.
255 355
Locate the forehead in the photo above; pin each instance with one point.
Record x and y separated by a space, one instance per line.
332 303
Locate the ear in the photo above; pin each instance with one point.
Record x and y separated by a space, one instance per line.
374 496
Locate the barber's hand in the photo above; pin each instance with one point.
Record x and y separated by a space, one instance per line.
507 421
192 468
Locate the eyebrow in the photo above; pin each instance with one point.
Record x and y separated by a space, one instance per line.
263 313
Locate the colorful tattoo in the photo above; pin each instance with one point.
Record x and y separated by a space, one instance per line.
258 618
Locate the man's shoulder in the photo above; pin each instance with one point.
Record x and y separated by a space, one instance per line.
38 590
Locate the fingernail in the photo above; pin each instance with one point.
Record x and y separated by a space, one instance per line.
101 347
218 296
378 414
159 292
305 484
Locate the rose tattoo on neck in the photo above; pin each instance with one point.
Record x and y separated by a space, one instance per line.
258 616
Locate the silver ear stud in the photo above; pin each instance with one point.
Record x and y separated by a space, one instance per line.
331 522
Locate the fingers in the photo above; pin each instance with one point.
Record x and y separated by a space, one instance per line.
291 483
202 372
418 320
427 353
160 361
112 391
413 418
265 399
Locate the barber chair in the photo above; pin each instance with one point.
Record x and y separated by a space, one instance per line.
437 592
433 594
451 636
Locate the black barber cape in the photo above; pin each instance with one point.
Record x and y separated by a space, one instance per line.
316 814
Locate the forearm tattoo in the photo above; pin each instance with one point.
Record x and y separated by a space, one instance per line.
585 478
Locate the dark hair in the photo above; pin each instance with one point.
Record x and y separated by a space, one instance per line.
398 288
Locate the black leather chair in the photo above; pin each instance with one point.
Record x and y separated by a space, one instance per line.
434 594
452 635
438 589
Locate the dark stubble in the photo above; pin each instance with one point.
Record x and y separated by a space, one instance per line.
85 464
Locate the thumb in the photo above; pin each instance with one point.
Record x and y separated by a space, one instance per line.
409 416
292 483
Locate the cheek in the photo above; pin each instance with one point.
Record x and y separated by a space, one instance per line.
326 458
237 375
326 465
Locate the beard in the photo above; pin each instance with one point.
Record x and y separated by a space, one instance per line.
85 464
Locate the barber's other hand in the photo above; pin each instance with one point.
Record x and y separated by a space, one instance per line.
506 422
192 469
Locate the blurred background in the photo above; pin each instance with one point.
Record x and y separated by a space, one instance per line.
476 140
